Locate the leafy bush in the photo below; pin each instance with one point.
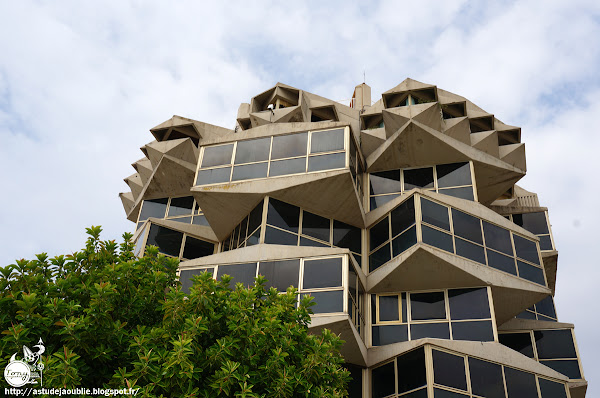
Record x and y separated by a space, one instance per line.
110 319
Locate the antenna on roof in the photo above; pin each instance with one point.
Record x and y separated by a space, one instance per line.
364 77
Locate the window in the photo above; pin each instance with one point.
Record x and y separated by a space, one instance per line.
277 156
542 311
404 374
173 243
460 314
537 223
450 179
181 209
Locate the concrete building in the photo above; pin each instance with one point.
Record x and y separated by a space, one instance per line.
402 218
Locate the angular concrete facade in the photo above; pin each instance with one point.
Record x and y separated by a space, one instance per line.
402 218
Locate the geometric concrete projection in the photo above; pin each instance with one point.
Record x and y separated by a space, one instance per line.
402 218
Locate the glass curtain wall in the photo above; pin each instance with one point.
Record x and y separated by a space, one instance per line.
182 209
173 243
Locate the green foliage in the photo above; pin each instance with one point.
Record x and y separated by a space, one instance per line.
110 319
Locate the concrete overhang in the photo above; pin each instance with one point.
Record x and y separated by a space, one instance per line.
180 127
578 388
532 324
550 259
354 349
490 351
414 144
328 193
424 267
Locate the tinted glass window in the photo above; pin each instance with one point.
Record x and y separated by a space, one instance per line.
324 141
435 214
290 166
283 215
433 330
355 384
411 370
486 379
469 303
380 257
501 262
167 240
545 242
404 241
466 226
531 273
439 393
569 368
449 370
310 242
378 201
403 216
379 233
520 384
315 226
552 389
461 193
327 162
252 150
278 237
327 301
153 208
452 175
280 274
322 273
255 218
181 206
185 277
554 344
195 248
185 220
347 236
526 249
389 308
470 250
533 222
288 146
546 307
427 306
418 178
213 176
241 273
217 155
383 380
473 331
385 182
437 238
389 334
520 342
249 171
497 238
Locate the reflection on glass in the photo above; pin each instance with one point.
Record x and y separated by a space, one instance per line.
378 201
185 277
531 273
526 249
552 344
382 382
153 208
283 215
411 370
437 238
252 150
167 240
217 155
520 342
276 236
322 273
427 306
181 206
405 241
497 238
241 273
327 162
470 250
347 236
473 331
501 262
469 303
389 334
569 368
327 301
486 379
280 274
461 193
325 141
388 308
435 214
520 384
315 226
403 216
289 166
452 175
289 146
432 330
249 171
466 226
385 182
213 176
533 222
379 233
552 389
380 257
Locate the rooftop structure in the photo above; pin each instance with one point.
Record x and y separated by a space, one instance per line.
402 218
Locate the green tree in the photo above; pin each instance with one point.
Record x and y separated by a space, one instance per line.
110 319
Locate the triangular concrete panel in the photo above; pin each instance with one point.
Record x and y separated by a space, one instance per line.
409 84
354 349
394 119
127 201
135 184
514 154
486 141
427 114
371 140
458 128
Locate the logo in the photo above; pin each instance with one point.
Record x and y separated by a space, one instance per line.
27 370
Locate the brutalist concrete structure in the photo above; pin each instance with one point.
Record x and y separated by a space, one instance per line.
402 218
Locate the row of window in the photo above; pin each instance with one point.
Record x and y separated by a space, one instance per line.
182 209
273 156
456 232
247 232
554 348
456 376
324 278
449 179
173 243
457 314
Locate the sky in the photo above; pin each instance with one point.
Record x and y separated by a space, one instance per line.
81 84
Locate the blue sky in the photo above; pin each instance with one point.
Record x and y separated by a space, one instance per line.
82 83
